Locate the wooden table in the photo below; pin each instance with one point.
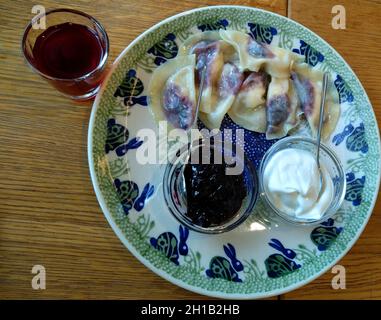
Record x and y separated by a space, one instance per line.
48 211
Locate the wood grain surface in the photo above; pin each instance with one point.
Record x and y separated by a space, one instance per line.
49 214
360 45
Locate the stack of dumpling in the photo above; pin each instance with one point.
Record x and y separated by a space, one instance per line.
262 88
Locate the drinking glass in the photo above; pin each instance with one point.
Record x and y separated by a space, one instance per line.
70 53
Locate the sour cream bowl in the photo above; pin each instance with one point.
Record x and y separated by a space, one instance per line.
299 185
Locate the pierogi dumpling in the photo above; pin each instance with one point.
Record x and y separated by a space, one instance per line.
172 92
254 55
308 84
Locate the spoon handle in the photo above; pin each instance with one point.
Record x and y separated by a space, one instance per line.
203 73
321 116
194 124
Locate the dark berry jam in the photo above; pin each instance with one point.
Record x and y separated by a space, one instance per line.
213 197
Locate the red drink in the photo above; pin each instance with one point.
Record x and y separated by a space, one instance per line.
67 51
70 55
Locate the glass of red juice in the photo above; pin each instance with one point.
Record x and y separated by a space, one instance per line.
70 52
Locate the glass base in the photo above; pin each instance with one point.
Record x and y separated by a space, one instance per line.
87 96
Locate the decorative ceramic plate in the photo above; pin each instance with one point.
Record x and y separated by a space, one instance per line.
264 256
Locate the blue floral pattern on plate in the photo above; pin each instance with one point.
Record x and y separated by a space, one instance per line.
278 265
165 49
117 135
130 90
324 235
262 33
312 56
355 188
128 192
356 140
220 267
212 26
170 246
345 93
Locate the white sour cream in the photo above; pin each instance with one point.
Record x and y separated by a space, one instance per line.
292 184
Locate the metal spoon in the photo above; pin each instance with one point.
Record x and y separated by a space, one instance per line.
203 73
321 118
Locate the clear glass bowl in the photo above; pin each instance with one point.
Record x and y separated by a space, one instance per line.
175 197
327 158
